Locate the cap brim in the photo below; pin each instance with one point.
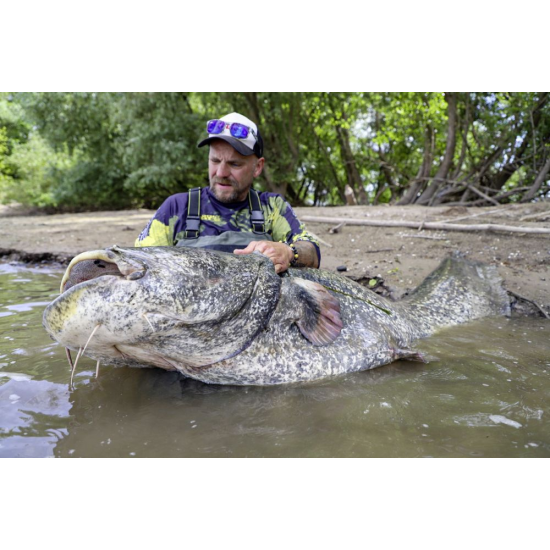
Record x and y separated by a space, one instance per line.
239 146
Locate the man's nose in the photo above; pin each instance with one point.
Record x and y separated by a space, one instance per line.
223 170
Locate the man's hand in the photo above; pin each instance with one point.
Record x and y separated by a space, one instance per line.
279 253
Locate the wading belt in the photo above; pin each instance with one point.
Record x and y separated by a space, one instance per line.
192 224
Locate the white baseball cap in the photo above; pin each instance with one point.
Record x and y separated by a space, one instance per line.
229 128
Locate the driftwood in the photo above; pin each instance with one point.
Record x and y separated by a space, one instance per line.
486 213
430 225
535 216
519 297
425 237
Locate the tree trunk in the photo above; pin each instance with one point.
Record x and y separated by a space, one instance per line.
424 171
445 167
354 178
530 195
271 185
466 127
350 166
385 168
325 154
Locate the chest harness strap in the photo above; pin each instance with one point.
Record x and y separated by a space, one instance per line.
193 220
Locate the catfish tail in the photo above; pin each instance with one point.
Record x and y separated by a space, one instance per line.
458 291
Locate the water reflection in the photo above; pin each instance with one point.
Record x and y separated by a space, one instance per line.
485 393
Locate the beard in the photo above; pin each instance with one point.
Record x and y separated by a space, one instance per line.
232 191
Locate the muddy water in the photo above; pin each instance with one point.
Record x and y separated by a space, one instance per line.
486 392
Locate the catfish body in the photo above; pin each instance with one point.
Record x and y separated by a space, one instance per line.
228 319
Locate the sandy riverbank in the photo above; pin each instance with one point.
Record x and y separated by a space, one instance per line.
401 256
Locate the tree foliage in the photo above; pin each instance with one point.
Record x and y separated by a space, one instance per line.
107 150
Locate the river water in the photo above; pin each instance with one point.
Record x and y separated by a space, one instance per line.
485 393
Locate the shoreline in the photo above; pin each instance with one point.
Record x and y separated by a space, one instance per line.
400 256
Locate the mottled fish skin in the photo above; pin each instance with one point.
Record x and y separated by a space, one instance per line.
187 309
226 319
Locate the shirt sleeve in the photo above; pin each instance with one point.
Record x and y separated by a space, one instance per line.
160 229
286 227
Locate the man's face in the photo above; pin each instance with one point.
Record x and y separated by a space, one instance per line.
230 173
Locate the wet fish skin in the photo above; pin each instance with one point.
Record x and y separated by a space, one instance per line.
188 308
227 319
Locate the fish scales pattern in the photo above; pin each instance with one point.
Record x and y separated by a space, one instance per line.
226 319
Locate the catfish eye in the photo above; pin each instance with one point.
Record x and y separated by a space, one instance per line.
135 275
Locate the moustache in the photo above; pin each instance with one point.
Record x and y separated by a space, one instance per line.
224 181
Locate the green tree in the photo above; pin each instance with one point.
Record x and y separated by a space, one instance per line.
92 150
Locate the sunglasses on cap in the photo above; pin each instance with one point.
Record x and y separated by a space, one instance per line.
237 130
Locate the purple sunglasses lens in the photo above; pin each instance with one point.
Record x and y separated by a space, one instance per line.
239 131
215 126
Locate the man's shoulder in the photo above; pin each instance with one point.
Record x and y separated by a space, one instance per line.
177 198
272 199
172 206
268 194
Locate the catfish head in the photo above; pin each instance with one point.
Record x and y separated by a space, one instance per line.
171 307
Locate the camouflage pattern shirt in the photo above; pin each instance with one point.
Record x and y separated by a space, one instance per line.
167 226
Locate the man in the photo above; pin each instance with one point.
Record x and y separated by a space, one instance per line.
230 215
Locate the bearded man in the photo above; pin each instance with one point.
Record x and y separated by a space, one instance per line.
230 215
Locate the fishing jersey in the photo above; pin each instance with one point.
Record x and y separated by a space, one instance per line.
168 225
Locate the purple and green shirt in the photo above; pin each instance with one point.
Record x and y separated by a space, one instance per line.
168 225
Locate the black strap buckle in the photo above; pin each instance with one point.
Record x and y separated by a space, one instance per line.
192 227
256 214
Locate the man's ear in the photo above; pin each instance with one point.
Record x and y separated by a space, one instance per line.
259 167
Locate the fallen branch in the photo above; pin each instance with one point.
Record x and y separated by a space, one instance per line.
479 202
425 237
377 251
484 213
519 297
482 194
430 225
535 216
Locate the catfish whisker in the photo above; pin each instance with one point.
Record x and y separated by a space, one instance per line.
147 319
74 365
90 337
69 358
82 350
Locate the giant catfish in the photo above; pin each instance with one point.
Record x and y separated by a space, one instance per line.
227 319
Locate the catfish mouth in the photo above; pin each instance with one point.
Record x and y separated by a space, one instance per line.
100 263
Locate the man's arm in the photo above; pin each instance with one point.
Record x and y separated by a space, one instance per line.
286 231
307 254
160 229
281 254
287 228
154 234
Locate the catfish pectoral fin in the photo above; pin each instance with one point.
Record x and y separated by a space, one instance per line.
320 321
